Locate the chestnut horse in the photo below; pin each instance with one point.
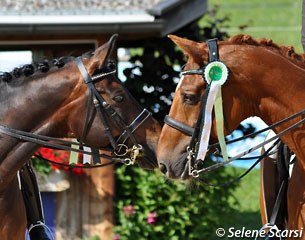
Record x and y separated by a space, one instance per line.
58 102
264 80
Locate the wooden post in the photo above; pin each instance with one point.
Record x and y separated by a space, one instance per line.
86 208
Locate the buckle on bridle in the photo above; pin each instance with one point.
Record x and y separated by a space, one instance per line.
133 152
191 153
121 150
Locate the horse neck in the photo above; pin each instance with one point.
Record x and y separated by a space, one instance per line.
34 101
30 107
279 94
272 87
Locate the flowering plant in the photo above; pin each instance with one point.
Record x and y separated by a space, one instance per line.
58 156
148 206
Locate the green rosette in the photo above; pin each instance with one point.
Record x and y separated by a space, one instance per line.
217 72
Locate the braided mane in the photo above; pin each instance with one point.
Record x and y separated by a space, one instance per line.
41 67
29 69
286 51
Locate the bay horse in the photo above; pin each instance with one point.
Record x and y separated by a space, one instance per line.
74 98
264 80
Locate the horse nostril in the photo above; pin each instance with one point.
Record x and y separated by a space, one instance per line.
163 168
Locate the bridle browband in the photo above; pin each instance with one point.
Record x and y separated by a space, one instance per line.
193 165
120 152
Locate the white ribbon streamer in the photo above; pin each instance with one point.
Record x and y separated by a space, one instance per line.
205 134
87 157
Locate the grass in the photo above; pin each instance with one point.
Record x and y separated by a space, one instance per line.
279 20
245 202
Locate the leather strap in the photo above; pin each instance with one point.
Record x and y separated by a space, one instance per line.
134 125
213 49
83 70
31 194
278 201
187 130
97 100
102 107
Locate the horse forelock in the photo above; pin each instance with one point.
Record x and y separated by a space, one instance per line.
286 51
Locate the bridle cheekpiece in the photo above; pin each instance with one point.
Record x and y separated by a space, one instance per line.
215 74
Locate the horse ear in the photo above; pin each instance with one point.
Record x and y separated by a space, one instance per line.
102 53
111 44
190 48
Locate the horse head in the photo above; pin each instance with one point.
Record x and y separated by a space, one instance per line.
118 120
78 98
253 87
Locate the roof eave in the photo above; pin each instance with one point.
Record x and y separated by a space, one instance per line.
81 28
178 13
76 19
168 17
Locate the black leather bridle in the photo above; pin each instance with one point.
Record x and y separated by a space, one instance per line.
105 109
192 149
186 129
120 151
194 132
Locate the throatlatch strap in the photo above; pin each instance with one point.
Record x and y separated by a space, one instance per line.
97 100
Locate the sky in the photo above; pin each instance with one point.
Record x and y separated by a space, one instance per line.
11 59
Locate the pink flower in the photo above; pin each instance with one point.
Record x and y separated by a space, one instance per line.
116 237
129 210
152 218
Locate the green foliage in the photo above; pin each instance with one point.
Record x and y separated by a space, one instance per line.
92 238
43 167
190 211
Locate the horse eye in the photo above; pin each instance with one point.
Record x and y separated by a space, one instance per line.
190 99
118 98
111 65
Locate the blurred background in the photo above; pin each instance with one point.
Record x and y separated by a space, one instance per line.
127 202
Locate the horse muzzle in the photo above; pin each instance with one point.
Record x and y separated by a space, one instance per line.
148 159
175 170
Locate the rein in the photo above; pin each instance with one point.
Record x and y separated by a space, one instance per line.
120 152
195 172
196 143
